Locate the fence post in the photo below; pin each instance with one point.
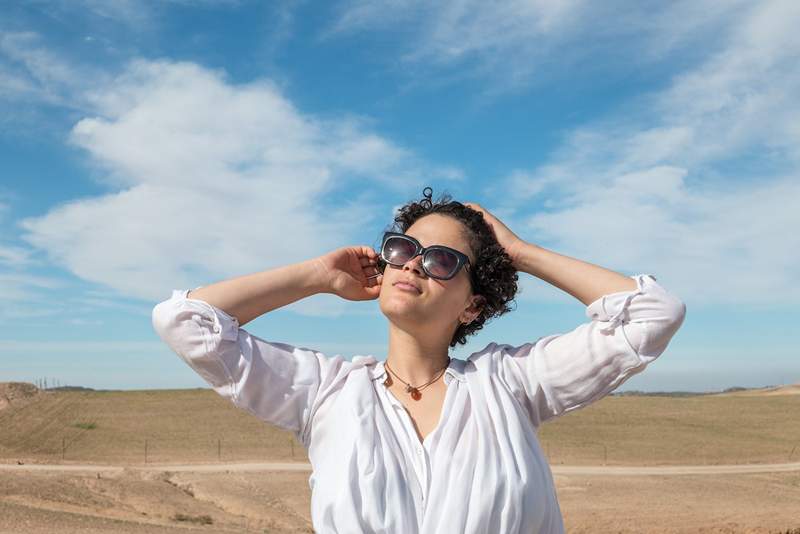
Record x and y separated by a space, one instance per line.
63 447
791 453
219 450
145 451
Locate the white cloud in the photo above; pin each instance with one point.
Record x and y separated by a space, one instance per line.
696 183
215 180
710 245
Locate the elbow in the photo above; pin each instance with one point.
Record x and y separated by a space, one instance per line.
663 309
166 324
158 319
682 313
179 329
661 330
675 313
165 320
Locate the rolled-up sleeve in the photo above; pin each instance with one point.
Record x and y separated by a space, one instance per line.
276 382
627 330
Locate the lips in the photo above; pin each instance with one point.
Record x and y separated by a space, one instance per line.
407 284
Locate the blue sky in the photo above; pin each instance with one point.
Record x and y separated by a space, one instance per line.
151 146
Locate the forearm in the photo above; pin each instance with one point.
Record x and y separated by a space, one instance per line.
584 281
249 296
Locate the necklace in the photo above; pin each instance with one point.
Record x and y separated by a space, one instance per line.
413 391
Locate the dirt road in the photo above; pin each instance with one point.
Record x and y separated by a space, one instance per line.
557 469
276 498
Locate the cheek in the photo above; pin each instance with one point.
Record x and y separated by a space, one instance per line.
449 303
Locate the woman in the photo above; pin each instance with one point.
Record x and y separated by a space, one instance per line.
420 442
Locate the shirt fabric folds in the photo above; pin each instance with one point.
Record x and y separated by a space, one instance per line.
482 469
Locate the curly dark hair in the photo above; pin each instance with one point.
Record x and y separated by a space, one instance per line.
493 276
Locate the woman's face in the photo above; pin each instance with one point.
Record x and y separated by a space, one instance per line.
440 303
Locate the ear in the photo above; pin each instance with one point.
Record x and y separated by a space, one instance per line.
474 310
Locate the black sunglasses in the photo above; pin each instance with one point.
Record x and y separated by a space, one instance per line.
438 261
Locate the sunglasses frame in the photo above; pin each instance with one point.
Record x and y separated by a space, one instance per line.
461 258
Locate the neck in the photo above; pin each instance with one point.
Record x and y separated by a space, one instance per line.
414 360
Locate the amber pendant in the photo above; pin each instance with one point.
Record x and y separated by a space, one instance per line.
388 381
415 394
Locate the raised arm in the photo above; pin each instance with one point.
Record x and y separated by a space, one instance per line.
631 321
277 382
584 281
249 296
559 373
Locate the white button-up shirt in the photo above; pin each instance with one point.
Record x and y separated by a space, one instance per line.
482 469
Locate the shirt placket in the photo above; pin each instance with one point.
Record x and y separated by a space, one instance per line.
415 449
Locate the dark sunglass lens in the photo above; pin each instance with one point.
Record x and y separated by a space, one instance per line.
441 262
398 250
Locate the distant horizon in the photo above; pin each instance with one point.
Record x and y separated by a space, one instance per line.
617 391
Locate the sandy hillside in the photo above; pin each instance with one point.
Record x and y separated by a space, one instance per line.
17 394
138 502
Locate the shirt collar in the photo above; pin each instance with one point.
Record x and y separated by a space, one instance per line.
454 370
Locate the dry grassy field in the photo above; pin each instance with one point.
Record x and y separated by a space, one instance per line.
147 428
112 427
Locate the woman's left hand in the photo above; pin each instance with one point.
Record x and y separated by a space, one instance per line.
508 240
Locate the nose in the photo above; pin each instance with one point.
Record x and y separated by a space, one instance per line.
415 264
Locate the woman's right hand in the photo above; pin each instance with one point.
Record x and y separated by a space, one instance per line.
345 271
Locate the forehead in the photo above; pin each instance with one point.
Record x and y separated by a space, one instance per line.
435 229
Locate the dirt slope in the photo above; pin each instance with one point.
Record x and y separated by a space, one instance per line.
17 394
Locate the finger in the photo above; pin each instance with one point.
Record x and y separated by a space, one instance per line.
375 281
367 252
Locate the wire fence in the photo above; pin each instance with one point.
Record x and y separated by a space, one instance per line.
286 448
146 450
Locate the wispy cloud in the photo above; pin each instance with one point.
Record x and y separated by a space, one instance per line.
135 14
15 256
701 176
79 347
22 287
32 72
127 12
209 175
516 43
